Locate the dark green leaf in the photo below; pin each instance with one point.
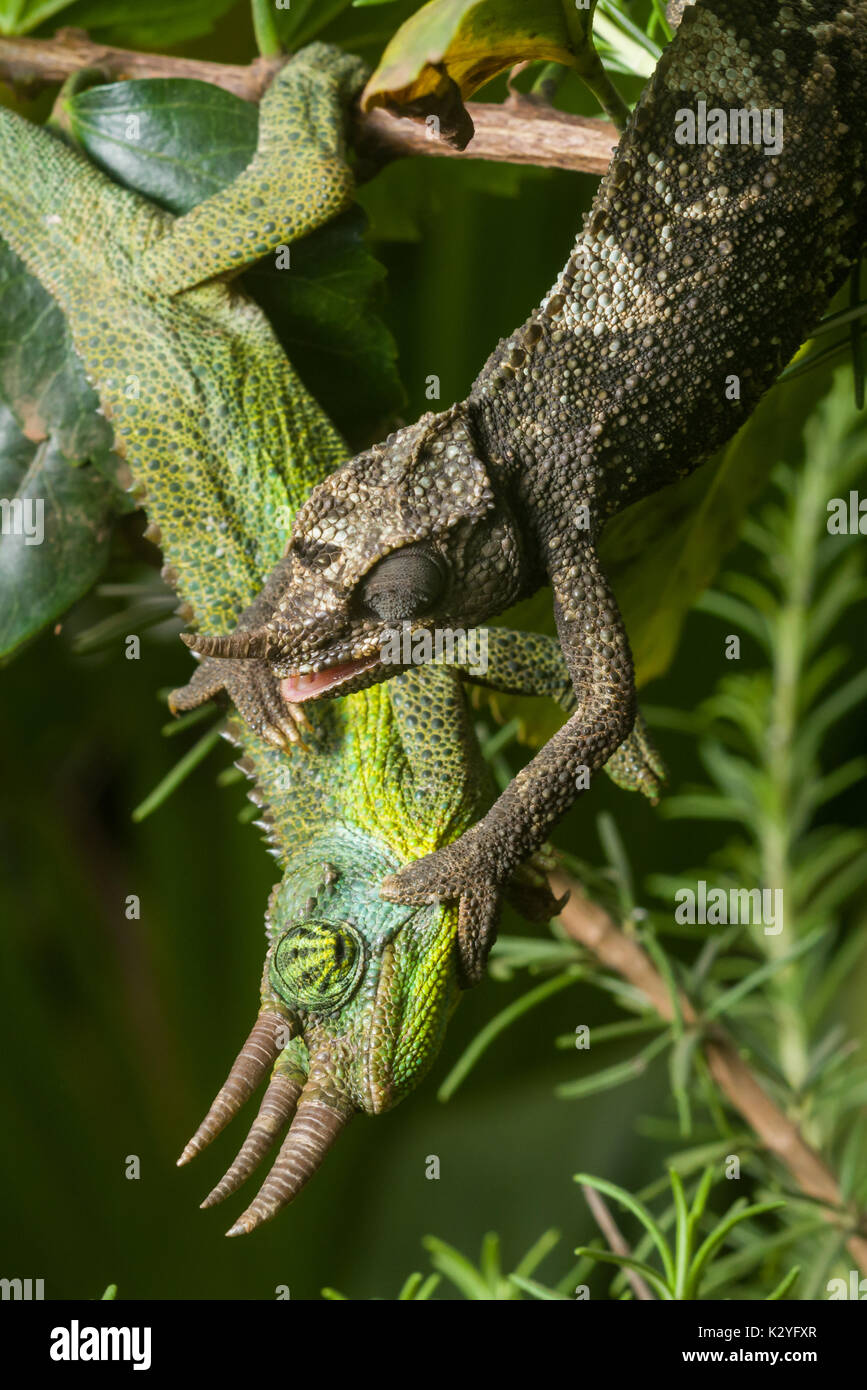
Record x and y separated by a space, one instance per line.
175 140
158 24
39 579
49 420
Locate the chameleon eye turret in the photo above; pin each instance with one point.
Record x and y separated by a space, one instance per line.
406 584
316 966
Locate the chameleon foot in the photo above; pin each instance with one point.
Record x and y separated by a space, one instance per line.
460 872
255 694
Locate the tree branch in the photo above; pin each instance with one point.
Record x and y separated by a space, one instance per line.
519 131
589 924
612 1233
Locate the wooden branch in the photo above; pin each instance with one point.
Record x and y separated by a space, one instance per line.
588 924
612 1233
520 131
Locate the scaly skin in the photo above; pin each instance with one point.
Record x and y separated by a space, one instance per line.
222 442
697 262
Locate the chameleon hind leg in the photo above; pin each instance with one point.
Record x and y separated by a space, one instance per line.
298 178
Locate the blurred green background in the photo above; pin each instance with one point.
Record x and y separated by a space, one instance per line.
117 1033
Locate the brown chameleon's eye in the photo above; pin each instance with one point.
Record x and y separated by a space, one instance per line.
405 584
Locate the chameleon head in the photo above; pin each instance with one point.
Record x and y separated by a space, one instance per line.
356 996
410 535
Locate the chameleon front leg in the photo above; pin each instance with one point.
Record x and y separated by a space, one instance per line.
475 869
531 663
298 178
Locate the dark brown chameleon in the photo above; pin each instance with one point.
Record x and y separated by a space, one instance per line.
698 264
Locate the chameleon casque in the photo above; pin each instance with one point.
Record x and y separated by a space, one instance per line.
223 443
696 261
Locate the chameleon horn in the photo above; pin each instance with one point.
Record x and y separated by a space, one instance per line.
256 642
311 1135
268 1037
278 1104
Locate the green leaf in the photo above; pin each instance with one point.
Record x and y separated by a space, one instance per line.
498 1024
616 1075
21 16
193 139
297 24
457 1268
158 24
625 1262
784 1285
632 1204
537 1290
173 139
40 579
705 1251
732 996
41 378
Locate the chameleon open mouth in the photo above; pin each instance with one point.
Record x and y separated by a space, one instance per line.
312 684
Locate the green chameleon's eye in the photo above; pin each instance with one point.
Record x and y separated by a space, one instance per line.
316 966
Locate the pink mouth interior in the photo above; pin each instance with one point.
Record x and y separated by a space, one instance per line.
296 689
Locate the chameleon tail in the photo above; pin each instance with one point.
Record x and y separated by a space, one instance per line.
268 1037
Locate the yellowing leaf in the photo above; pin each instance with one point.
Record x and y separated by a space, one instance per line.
450 47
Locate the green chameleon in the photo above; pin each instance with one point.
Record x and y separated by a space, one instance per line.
223 443
701 268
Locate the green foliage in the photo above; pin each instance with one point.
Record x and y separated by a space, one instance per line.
685 1264
54 445
160 23
761 737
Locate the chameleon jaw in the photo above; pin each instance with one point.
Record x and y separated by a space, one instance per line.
313 685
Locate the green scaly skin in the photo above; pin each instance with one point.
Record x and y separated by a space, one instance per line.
698 263
222 444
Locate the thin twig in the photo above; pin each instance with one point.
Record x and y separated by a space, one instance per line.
612 1233
518 131
589 924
